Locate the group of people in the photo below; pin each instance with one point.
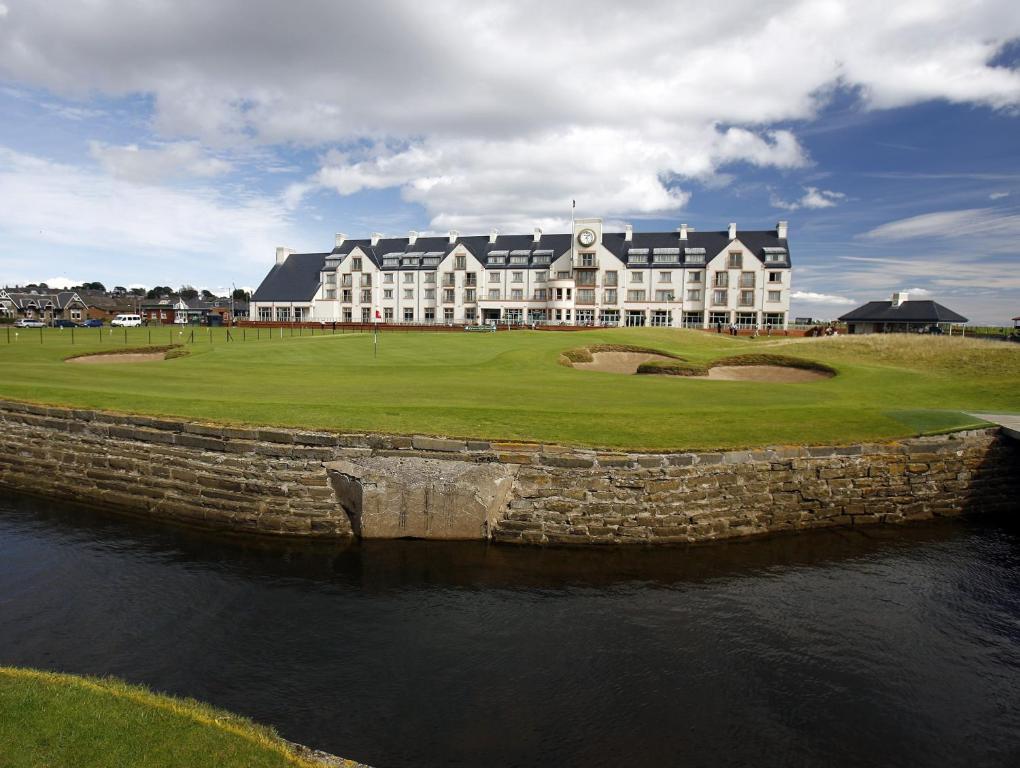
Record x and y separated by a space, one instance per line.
734 329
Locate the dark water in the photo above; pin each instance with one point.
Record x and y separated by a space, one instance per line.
890 648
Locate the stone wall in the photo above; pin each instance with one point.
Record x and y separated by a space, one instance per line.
317 484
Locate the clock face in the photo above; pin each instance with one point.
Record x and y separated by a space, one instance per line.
586 237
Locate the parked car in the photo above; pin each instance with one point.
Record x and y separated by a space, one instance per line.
27 322
94 323
126 321
64 324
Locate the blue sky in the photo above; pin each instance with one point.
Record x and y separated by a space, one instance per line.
154 143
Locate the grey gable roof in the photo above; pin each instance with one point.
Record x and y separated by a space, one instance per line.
713 242
907 312
297 279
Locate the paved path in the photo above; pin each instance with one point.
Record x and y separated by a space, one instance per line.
1010 422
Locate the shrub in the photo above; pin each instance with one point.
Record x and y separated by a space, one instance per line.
672 368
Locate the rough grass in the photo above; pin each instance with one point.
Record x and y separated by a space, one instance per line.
586 354
782 361
48 719
672 368
509 386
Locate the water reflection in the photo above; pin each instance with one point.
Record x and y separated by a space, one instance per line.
840 647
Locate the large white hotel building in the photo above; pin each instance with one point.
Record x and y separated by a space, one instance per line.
588 277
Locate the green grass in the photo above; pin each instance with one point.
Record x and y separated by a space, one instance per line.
48 719
511 385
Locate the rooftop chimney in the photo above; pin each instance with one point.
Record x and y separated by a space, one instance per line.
493 235
282 254
376 237
340 237
412 236
628 232
899 297
538 234
683 231
454 234
781 230
733 230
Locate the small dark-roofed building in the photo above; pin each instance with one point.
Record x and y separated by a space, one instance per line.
901 315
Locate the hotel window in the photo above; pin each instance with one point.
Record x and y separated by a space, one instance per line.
775 277
746 298
388 314
637 277
366 279
347 297
366 315
331 278
775 254
736 260
470 313
494 277
430 294
366 297
635 295
541 277
409 293
387 293
694 277
330 295
694 294
356 265
563 275
540 294
265 314
494 294
283 314
347 280
430 315
747 279
450 280
517 294
518 258
587 259
448 314
408 278
665 277
348 315
722 279
388 278
585 296
469 295
609 297
408 315
611 278
584 278
719 297
430 277
460 262
517 277
448 296
664 295
470 279
694 258
775 296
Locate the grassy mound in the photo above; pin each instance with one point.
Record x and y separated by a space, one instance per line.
672 368
62 720
781 361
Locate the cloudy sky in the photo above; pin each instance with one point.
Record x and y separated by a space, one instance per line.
156 142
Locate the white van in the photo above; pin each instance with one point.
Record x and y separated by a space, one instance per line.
126 321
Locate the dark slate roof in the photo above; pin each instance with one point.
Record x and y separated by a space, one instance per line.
713 242
59 300
907 312
297 279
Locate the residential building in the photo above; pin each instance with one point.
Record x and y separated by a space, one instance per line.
586 277
900 315
48 306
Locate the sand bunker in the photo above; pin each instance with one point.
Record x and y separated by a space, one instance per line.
619 362
770 373
128 357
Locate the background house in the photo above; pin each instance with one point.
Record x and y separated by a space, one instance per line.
900 315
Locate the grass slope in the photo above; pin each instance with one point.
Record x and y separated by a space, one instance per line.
48 719
510 385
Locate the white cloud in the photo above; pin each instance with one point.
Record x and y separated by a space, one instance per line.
69 209
987 223
917 292
157 163
998 195
822 298
813 198
62 282
477 109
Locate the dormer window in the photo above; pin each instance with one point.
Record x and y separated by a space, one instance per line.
694 255
637 256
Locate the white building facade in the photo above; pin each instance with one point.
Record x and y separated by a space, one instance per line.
683 278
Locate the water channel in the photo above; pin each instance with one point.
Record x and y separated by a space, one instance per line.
884 647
